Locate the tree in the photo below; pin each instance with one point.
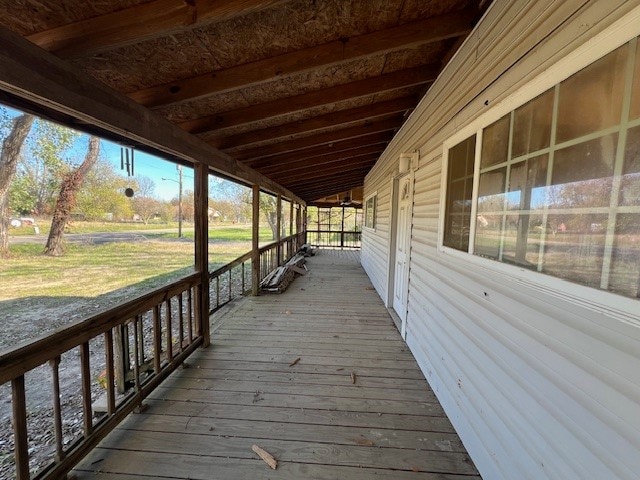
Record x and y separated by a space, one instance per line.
147 207
8 164
146 187
67 198
43 165
102 194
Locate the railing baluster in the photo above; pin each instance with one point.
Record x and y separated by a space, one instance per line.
138 354
21 442
169 331
243 281
86 388
157 339
190 314
121 357
108 350
140 343
54 363
180 323
230 284
217 292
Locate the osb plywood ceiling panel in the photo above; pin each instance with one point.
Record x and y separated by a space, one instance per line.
274 83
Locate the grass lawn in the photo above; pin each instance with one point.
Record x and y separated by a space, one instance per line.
89 270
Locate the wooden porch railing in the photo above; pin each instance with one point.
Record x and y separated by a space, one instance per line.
334 238
158 331
141 342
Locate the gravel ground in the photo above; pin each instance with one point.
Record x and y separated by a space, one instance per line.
39 397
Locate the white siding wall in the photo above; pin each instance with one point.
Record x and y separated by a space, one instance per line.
375 244
538 384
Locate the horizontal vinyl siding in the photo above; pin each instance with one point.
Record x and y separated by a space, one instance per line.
538 384
375 244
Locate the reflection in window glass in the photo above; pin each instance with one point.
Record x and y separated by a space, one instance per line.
532 125
554 212
526 182
625 266
488 235
574 247
635 95
370 212
582 174
495 143
459 193
630 188
491 190
522 239
591 100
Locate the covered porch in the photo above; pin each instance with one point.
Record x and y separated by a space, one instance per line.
317 376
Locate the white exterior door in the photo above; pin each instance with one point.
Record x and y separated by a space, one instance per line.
401 267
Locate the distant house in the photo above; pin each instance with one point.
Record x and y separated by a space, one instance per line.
214 215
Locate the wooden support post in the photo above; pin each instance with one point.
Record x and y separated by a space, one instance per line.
255 246
278 230
21 441
290 232
121 356
342 230
85 375
201 194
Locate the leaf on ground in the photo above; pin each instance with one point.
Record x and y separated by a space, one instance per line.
294 362
265 456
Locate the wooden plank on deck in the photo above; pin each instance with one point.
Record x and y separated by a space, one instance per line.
247 389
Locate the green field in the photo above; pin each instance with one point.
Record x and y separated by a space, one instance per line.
89 270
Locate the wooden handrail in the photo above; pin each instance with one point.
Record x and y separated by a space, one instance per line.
27 356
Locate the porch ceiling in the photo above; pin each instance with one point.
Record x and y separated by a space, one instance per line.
306 92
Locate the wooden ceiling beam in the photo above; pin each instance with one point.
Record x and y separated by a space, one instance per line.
311 195
319 180
332 187
374 126
158 18
324 160
286 177
360 88
48 83
381 138
365 112
429 30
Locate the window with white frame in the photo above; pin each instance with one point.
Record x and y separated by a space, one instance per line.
558 187
370 211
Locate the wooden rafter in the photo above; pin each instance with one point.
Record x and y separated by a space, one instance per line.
154 19
338 167
332 119
384 125
37 77
319 179
332 190
331 148
304 163
360 88
432 29
337 185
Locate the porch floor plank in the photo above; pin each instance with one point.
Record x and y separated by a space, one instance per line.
311 416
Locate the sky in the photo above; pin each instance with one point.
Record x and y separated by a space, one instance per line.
164 174
154 167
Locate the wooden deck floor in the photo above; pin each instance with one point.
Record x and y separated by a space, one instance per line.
245 390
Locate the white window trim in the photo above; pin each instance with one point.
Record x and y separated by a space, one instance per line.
375 212
621 32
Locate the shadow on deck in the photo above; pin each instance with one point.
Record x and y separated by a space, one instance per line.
354 406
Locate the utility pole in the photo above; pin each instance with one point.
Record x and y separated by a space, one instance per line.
179 182
179 167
